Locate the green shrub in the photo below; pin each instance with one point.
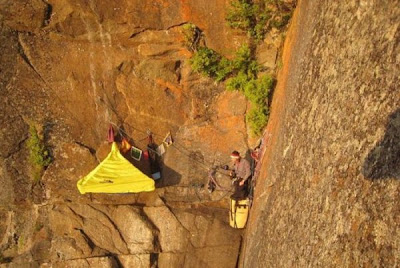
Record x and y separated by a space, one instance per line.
257 118
242 58
237 82
205 61
260 29
257 91
258 18
281 20
252 69
241 15
208 62
39 156
249 17
244 62
243 71
224 69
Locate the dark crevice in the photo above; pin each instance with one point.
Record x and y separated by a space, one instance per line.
26 59
156 231
139 32
89 241
177 25
76 214
180 223
119 67
240 250
153 260
47 14
91 150
24 56
112 223
117 263
177 69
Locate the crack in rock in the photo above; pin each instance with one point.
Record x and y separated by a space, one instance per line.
91 150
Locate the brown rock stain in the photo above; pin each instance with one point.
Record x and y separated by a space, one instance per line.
186 11
338 187
355 225
168 86
315 179
217 135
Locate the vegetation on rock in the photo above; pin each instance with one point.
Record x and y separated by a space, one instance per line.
242 72
209 63
192 35
39 155
257 18
257 117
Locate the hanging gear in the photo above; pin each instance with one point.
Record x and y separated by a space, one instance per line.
168 139
146 155
154 158
136 153
212 183
111 134
125 145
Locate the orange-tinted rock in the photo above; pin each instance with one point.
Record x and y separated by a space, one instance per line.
92 63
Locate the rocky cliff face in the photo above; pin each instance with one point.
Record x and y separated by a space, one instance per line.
329 192
74 67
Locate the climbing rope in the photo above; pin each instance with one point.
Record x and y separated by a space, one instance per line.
205 165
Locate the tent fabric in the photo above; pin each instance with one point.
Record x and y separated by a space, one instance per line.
115 174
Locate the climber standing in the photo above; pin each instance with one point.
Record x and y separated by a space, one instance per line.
240 174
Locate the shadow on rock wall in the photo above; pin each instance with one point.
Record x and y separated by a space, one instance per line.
383 162
169 176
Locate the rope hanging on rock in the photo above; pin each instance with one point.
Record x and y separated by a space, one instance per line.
170 142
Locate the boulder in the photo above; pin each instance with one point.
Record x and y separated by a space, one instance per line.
137 260
72 162
135 230
104 262
166 260
173 237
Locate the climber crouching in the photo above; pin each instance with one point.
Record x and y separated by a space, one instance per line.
240 174
239 203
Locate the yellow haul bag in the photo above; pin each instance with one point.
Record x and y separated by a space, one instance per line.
238 213
115 174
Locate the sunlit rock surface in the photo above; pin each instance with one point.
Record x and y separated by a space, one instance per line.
327 196
329 191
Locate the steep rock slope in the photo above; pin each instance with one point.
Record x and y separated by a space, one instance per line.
328 195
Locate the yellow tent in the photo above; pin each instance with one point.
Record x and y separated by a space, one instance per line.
115 174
